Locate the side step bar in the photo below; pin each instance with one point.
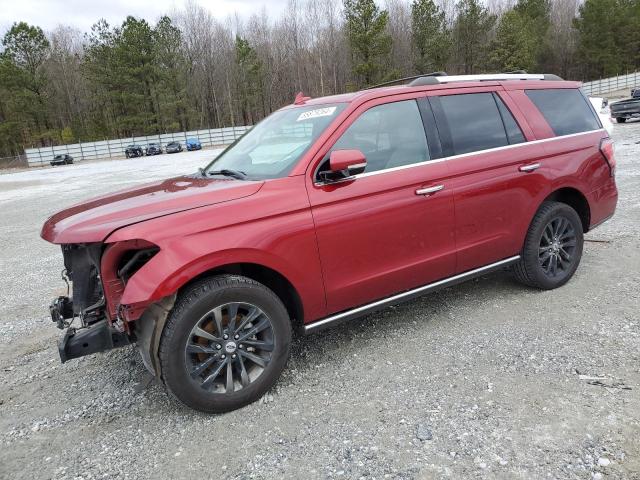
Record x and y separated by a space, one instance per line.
408 295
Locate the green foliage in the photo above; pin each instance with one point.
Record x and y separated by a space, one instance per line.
431 39
23 97
366 30
609 36
471 33
516 44
66 135
142 78
134 71
250 79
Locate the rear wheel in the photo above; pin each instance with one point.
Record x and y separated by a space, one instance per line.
552 248
225 343
621 120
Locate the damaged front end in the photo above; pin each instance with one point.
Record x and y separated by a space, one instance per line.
98 275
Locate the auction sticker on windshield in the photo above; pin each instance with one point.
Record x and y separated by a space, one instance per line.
318 112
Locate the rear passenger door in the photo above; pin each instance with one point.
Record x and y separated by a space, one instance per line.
493 174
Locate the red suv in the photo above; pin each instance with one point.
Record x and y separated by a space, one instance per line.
327 210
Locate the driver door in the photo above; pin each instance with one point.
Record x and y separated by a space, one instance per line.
380 233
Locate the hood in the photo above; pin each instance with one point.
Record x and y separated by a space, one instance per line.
625 102
95 219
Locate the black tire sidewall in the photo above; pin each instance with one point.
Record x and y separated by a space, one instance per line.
191 308
532 243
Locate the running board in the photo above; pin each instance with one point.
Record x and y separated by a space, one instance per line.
408 295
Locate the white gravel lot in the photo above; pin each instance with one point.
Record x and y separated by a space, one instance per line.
484 380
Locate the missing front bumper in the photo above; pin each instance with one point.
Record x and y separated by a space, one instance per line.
98 337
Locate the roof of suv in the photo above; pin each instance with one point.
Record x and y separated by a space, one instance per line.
427 82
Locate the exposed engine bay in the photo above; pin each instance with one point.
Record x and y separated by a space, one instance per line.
93 332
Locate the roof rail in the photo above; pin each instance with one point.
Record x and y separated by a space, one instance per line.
487 77
406 79
436 78
517 75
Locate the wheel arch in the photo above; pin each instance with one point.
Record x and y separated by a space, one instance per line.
267 276
576 200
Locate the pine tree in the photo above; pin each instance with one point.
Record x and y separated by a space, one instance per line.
24 81
369 41
249 79
431 39
471 33
598 26
516 44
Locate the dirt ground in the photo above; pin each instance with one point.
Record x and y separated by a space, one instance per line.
483 380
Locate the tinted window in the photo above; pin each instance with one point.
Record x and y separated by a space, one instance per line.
390 135
514 134
565 110
474 122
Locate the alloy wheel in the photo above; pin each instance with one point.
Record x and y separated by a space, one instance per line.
557 247
229 347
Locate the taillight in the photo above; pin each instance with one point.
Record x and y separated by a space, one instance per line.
606 148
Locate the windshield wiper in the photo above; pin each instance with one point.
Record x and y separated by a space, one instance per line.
227 172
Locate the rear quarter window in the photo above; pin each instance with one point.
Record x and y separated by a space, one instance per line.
565 110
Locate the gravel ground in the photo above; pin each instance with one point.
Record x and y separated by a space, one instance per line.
483 380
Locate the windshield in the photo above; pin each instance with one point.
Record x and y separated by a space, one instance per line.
272 147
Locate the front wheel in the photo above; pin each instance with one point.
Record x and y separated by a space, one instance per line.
552 248
225 343
621 119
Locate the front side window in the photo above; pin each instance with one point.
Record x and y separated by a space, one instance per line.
389 135
273 147
565 110
475 123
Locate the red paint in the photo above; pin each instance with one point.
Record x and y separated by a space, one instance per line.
350 243
343 159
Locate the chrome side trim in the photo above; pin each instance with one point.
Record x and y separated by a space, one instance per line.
463 155
408 295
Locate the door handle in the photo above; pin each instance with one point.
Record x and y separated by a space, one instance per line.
429 190
530 168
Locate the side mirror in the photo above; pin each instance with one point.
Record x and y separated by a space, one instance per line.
344 164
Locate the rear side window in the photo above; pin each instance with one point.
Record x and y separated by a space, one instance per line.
565 110
476 123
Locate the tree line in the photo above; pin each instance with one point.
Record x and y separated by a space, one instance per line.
189 70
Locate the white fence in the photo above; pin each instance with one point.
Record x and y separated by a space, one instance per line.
115 148
611 84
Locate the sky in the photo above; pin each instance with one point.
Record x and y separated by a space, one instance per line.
84 13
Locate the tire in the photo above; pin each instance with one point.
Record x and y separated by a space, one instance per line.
621 119
198 376
555 231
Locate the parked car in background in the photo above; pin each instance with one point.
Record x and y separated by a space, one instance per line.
193 144
133 151
626 109
153 149
173 147
381 196
62 159
601 106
